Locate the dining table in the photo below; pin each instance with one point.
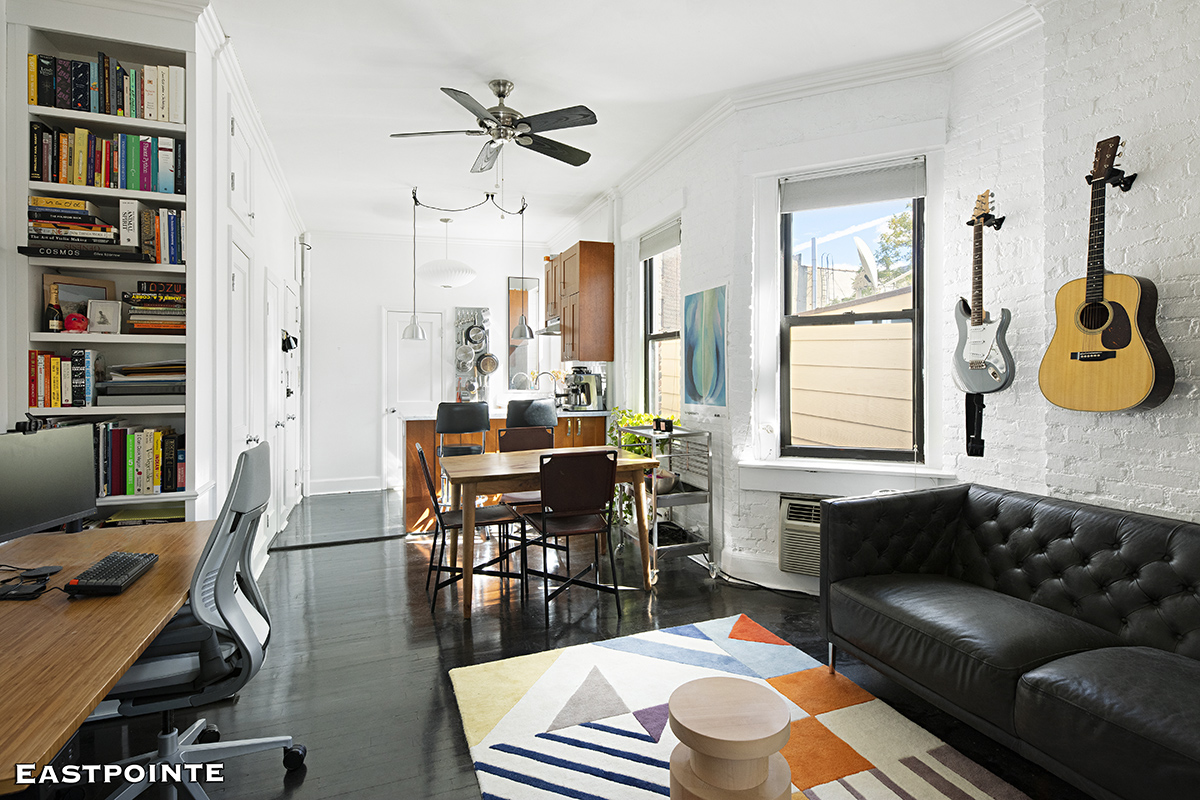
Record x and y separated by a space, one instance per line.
482 474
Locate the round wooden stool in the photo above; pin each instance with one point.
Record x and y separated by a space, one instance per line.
730 731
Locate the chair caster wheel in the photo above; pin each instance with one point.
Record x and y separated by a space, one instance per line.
712 570
293 757
209 735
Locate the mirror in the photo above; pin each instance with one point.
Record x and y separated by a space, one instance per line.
523 298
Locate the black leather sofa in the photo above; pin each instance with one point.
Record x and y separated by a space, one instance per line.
1068 632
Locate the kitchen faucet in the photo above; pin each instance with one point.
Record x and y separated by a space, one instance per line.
558 398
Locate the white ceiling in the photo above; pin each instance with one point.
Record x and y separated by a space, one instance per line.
333 79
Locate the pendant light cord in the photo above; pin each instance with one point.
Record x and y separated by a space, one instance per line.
414 245
489 197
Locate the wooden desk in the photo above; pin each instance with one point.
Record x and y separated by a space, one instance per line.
59 656
492 473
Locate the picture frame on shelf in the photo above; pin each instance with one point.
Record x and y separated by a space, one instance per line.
74 293
104 316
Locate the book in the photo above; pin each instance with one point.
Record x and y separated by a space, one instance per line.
156 463
43 378
155 288
67 203
175 87
144 163
64 157
129 215
35 385
166 166
116 460
181 464
45 81
86 252
63 215
169 460
146 235
133 166
104 91
64 377
55 378
122 90
81 79
173 236
90 176
180 166
106 400
77 379
93 368
62 83
153 164
69 238
163 100
93 87
31 79
150 93
49 227
131 461
37 160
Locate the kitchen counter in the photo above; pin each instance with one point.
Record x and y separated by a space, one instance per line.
500 413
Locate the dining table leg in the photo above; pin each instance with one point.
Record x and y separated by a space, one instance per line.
639 502
455 505
468 545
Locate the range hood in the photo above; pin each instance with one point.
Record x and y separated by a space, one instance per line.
553 328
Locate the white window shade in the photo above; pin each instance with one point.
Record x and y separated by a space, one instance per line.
659 240
890 180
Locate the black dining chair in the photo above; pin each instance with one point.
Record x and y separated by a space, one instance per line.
460 419
447 521
531 413
511 440
577 495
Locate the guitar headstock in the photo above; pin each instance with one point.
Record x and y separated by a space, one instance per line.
1106 157
983 208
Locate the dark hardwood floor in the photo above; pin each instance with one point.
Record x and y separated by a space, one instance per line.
357 665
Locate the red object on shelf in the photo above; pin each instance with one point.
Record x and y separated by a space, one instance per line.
76 322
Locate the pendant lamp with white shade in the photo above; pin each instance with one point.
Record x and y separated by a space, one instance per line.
447 272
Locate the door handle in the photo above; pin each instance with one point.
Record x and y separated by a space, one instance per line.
578 426
392 410
291 416
252 440
279 423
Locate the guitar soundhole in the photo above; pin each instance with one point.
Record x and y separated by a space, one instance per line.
1093 316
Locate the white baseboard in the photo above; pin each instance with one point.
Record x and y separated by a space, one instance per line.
765 571
342 485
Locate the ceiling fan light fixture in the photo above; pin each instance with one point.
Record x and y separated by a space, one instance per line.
524 141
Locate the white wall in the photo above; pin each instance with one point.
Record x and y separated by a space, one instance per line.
351 279
1022 115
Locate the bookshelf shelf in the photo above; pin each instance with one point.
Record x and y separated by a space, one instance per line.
108 265
119 500
101 193
110 121
109 338
108 411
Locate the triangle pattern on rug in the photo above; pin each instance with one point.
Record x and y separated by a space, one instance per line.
594 699
653 719
487 692
748 630
767 660
690 631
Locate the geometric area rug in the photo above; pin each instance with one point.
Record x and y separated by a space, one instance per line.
590 721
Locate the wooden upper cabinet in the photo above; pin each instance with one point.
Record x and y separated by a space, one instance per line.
586 307
554 286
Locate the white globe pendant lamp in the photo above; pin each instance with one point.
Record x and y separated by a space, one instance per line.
447 272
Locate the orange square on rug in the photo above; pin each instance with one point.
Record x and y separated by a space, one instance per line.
817 690
817 756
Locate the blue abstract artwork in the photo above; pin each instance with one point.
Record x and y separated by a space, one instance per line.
704 348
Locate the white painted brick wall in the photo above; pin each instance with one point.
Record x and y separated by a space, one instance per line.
1023 120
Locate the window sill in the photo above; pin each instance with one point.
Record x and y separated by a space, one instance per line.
837 477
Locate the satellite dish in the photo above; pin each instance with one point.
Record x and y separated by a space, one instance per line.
868 262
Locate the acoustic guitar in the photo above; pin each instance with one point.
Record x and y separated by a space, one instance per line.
1106 354
982 361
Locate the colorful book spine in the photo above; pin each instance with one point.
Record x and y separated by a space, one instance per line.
131 462
62 83
55 383
37 159
144 163
91 361
163 87
90 166
133 168
156 470
81 78
32 79
169 456
64 377
45 81
79 158
166 165
180 166
77 390
93 87
151 93
181 464
173 236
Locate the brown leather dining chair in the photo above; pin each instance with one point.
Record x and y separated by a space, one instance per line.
448 521
577 495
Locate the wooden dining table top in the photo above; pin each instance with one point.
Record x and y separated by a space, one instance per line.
524 463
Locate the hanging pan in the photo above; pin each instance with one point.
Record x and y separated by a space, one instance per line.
487 364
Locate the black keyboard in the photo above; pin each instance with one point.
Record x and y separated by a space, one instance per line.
112 574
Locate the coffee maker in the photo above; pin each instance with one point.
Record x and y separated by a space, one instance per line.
585 390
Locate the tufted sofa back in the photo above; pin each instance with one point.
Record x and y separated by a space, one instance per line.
1133 574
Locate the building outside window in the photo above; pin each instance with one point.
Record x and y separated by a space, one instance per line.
661 256
851 345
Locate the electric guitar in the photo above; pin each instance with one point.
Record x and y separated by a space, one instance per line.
1106 354
982 361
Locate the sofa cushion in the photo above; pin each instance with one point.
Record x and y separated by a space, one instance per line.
1125 716
961 641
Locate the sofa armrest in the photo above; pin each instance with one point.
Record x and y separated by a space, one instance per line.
910 532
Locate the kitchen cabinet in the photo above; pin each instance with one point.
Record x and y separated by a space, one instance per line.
586 303
554 280
580 431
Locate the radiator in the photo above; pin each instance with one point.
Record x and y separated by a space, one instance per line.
800 535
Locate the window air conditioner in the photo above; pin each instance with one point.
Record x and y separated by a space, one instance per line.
800 535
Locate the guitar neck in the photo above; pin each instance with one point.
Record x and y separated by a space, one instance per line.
977 276
1095 258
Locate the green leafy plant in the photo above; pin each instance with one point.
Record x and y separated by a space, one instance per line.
626 418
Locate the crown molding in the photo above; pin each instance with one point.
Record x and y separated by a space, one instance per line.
999 32
171 9
591 208
226 57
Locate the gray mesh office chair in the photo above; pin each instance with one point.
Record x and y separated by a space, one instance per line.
531 413
214 645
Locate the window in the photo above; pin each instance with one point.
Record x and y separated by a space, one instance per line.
851 345
660 252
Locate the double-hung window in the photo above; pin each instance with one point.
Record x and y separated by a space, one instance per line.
660 252
851 344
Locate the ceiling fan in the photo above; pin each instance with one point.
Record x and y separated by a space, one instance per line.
504 124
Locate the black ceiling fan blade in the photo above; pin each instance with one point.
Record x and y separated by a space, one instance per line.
571 117
487 156
563 152
476 132
471 104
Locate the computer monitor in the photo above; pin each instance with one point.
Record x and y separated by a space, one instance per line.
46 478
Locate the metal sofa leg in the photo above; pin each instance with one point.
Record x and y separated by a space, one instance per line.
832 658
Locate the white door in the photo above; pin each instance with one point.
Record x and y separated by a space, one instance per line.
273 406
414 383
291 404
239 351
